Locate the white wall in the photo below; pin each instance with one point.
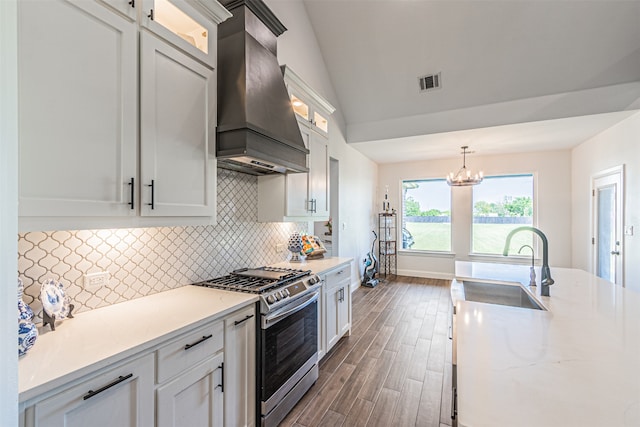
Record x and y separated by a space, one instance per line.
298 49
8 214
552 197
618 145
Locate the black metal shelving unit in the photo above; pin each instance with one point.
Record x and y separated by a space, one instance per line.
387 246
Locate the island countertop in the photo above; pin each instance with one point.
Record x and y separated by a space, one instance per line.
577 364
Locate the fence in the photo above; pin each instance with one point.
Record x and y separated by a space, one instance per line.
476 219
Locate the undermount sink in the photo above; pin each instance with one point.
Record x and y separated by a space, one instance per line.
510 294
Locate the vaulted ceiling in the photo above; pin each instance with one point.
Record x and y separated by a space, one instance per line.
516 75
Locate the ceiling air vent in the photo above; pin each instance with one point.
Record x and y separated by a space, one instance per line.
429 82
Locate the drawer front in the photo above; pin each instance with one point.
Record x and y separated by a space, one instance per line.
190 349
338 277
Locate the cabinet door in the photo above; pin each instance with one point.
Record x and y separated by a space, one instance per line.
344 304
331 318
319 175
178 115
78 109
177 22
120 397
297 185
126 7
195 398
239 368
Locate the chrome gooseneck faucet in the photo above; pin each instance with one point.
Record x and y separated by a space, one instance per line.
546 279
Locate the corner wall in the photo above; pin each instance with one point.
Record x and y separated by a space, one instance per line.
298 48
618 145
552 186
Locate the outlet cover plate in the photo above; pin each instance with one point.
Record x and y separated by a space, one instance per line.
96 280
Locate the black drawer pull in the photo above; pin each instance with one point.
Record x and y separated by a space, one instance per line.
201 340
237 322
153 190
92 393
131 184
221 385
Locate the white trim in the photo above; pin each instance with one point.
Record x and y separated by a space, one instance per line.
423 253
211 9
426 274
306 91
8 211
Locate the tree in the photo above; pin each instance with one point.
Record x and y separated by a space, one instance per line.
482 208
411 207
519 206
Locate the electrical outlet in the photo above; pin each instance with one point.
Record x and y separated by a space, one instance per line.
96 280
279 247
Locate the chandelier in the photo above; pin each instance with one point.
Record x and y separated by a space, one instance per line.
464 177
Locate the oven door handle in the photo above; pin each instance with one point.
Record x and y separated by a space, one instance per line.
277 316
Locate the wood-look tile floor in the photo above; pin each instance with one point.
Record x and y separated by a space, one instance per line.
394 369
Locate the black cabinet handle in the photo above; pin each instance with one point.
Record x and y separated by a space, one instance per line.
201 340
221 385
132 3
237 322
117 381
153 191
131 184
150 15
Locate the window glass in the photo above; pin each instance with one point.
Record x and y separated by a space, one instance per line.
500 204
426 215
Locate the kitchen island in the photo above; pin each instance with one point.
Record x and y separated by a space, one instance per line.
576 364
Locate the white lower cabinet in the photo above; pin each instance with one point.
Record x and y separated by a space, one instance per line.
240 368
120 397
204 377
195 398
336 320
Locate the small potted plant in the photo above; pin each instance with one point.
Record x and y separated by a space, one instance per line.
329 226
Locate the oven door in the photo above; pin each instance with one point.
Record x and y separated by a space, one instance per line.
289 348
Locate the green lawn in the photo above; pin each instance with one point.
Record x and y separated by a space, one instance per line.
487 238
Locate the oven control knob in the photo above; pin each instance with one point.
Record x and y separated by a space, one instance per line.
271 299
313 280
286 292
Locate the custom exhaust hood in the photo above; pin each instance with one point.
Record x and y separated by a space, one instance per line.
257 129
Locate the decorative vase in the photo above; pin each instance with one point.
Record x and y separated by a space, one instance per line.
27 330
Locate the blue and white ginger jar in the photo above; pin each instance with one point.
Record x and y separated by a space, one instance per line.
27 330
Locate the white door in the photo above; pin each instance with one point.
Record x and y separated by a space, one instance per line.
78 109
177 147
607 225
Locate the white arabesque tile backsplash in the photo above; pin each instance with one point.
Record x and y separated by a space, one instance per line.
144 261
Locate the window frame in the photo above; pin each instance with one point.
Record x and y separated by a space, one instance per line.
418 252
534 223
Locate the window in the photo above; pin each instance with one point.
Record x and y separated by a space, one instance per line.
426 215
500 204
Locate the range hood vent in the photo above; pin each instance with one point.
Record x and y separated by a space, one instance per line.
257 129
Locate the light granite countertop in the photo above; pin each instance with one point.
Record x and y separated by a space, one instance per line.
577 364
316 266
98 338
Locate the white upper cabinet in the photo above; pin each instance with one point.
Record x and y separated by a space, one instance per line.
78 116
178 113
82 111
192 26
300 196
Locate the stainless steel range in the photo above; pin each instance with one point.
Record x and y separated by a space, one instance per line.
287 341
